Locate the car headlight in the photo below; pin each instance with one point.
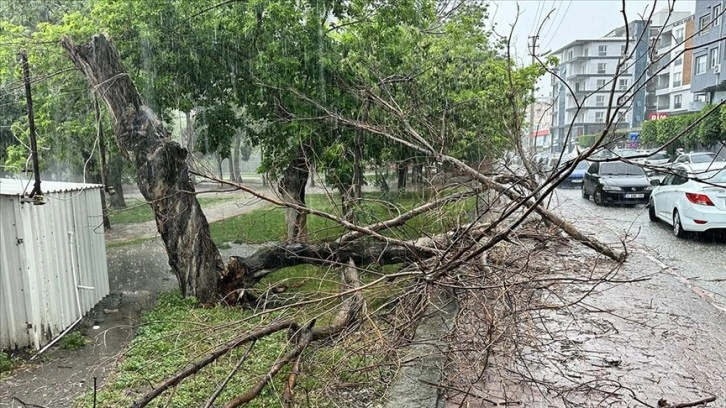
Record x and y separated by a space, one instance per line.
648 188
606 187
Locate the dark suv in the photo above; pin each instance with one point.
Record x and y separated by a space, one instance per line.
616 183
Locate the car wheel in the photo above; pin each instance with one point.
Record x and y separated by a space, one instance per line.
651 211
677 227
584 194
597 196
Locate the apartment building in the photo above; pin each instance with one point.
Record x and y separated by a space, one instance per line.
708 84
669 91
586 87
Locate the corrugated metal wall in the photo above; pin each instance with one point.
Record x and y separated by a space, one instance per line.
49 251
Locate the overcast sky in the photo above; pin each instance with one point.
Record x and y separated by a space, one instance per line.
571 19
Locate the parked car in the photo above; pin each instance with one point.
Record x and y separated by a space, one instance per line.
616 183
697 157
656 163
575 178
691 199
625 153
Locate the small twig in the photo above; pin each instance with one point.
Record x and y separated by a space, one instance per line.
226 381
304 337
666 404
288 397
210 358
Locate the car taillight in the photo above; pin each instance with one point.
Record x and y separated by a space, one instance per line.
700 199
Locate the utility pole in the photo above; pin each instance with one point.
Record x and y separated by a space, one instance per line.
104 168
532 137
37 193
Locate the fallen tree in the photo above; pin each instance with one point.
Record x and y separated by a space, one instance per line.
163 179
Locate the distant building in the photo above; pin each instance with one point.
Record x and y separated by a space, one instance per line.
669 92
541 112
708 58
584 81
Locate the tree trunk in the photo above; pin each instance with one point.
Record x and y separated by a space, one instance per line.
244 272
402 173
219 165
116 169
234 159
292 190
357 169
161 169
417 174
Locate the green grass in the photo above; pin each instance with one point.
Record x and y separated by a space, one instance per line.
268 224
73 341
6 362
137 211
176 332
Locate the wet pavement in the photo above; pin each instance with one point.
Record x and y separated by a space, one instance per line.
699 260
656 334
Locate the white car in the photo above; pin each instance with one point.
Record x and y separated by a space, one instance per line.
691 199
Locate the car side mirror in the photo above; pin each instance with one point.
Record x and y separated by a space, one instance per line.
654 182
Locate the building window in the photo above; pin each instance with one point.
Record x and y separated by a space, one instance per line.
678 62
602 50
600 83
700 65
713 57
699 97
601 67
570 54
679 35
599 117
704 24
716 14
677 101
600 100
622 84
676 79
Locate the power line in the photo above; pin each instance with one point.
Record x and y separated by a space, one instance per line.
558 25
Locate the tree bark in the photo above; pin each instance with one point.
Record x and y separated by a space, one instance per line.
244 272
292 190
161 168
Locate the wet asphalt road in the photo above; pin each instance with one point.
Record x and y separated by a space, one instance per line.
700 260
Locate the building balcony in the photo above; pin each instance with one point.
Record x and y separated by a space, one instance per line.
584 107
596 74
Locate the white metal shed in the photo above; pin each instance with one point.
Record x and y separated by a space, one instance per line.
52 260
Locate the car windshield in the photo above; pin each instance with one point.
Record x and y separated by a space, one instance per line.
715 176
627 153
703 158
583 165
620 169
658 156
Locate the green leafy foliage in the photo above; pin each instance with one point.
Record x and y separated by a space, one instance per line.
709 130
73 341
6 363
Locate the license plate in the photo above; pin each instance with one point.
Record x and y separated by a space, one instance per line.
634 195
576 181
